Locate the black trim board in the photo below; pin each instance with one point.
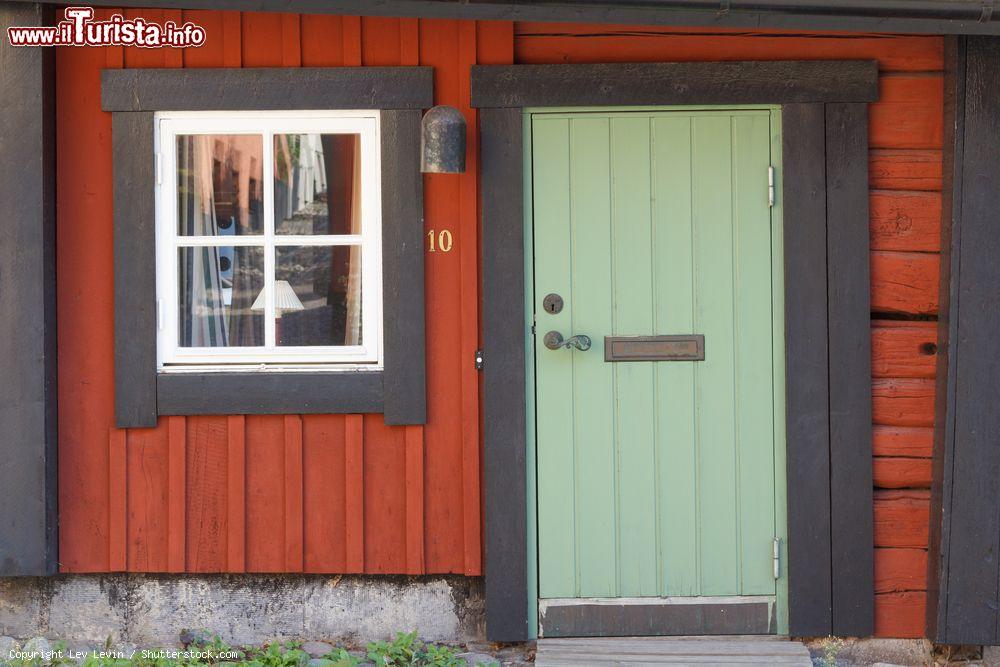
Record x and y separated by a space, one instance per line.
267 88
830 551
946 18
398 390
28 475
965 573
269 393
637 84
504 406
848 317
604 619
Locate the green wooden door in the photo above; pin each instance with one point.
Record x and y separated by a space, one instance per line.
655 478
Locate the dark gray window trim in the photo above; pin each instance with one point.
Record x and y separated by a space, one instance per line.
28 475
963 571
398 391
828 383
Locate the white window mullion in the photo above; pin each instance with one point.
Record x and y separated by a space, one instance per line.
270 340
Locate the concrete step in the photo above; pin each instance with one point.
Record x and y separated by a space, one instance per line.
651 651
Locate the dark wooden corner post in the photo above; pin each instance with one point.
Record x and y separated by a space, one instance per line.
964 564
28 535
827 313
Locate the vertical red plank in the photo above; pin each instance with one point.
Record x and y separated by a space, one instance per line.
293 493
495 42
409 55
322 41
443 442
205 497
351 41
176 492
146 509
379 41
291 51
414 500
354 489
468 246
409 42
235 494
262 43
385 497
173 57
265 493
232 35
208 54
117 512
323 505
139 57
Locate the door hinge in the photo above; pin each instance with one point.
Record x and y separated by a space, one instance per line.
479 360
777 558
159 169
770 186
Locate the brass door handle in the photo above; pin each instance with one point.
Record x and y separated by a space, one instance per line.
554 340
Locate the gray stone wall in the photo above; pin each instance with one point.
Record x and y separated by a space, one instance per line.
152 610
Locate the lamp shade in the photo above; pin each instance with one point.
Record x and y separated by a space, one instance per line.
285 299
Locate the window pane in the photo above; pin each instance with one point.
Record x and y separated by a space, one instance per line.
220 185
219 289
317 184
318 295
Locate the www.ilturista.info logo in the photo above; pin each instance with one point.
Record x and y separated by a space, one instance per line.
80 29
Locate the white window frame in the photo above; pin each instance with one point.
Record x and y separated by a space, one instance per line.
170 356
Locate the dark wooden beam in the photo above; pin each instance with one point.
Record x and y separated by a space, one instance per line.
810 15
807 389
405 384
636 84
971 510
849 314
28 519
504 399
269 393
267 88
135 273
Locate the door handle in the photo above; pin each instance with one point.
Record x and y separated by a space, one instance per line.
554 340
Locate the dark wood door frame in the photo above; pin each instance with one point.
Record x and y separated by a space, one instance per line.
828 353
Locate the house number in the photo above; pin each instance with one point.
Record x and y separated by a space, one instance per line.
439 241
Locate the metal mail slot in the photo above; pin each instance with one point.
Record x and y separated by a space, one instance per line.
654 348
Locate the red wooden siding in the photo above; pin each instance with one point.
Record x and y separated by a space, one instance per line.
331 493
314 493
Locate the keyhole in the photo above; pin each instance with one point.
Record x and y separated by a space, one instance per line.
552 304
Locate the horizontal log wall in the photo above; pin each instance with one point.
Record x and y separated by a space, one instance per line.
346 493
905 137
312 493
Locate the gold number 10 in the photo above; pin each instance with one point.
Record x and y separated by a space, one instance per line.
443 241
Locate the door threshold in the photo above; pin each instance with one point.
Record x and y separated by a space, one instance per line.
657 616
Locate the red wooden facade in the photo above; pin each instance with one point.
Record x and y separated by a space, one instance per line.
346 494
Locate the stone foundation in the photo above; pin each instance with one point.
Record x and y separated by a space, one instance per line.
152 610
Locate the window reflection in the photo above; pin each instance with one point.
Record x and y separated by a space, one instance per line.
318 295
220 184
218 286
317 186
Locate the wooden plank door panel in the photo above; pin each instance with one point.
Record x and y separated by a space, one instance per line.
654 478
